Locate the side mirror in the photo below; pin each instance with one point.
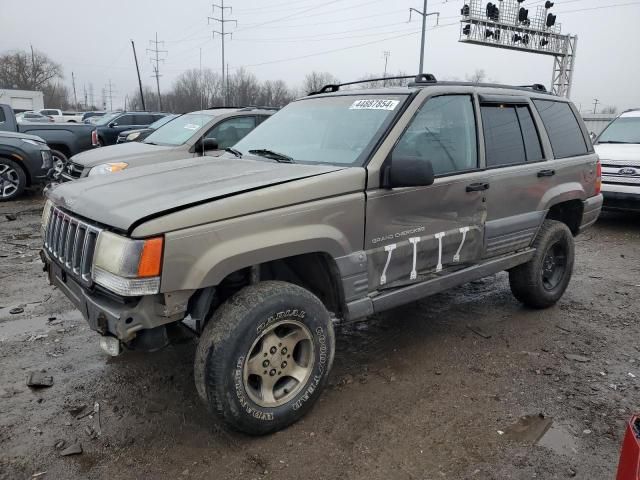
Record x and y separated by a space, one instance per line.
408 171
592 136
207 144
113 124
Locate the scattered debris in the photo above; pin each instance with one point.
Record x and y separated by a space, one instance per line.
39 380
33 338
16 310
576 358
500 432
39 474
631 375
60 444
91 433
96 409
586 431
75 449
11 217
76 410
345 380
563 329
478 331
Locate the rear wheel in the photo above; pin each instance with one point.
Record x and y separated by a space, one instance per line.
59 163
263 358
12 180
541 281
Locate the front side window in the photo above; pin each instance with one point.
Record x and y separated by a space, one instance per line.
337 130
562 128
179 130
510 135
231 131
444 133
622 130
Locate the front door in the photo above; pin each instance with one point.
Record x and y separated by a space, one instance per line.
416 233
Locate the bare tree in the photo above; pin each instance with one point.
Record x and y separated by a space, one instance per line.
314 81
56 95
28 71
478 76
387 82
611 109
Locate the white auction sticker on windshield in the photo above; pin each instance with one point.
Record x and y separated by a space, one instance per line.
191 126
374 104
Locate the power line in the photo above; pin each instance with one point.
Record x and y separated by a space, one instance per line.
256 25
222 21
156 65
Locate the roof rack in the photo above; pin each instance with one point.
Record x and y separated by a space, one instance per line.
417 80
244 108
538 87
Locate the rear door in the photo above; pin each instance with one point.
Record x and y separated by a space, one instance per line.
517 173
415 233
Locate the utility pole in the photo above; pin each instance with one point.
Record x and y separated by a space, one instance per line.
386 54
92 96
110 96
135 57
156 66
222 21
84 89
595 104
75 97
424 15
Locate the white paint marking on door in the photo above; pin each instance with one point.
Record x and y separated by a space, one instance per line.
389 249
463 231
439 237
414 241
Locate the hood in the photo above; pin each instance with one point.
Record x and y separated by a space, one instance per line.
618 151
25 136
124 198
120 153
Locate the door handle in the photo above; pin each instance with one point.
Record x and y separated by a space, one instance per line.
546 173
477 187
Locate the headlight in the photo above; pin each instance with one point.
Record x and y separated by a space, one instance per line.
32 142
46 158
108 168
46 213
128 267
133 136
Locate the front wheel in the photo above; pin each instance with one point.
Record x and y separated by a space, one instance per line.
541 281
264 357
12 180
59 163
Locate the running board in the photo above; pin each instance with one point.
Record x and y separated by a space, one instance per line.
414 292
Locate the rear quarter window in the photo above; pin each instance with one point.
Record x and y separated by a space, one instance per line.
562 128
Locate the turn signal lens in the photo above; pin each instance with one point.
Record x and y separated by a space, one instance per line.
151 259
598 177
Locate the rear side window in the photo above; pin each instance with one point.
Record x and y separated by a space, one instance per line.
142 119
124 120
510 135
562 128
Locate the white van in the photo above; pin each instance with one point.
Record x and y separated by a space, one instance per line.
619 149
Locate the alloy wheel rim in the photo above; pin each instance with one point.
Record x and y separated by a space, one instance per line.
554 265
279 363
9 181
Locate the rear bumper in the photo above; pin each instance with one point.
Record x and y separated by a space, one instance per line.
106 314
622 201
591 211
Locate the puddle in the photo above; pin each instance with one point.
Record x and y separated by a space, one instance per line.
560 441
34 325
540 430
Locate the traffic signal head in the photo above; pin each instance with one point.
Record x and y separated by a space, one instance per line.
551 20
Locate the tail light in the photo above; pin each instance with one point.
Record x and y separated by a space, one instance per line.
598 177
94 138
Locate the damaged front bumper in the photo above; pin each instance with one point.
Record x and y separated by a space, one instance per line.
124 318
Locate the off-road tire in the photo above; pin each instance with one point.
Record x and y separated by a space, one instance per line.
20 177
228 339
526 280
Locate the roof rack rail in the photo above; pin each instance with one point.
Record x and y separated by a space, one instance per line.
538 87
417 80
259 107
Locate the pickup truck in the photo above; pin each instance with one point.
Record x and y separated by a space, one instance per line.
343 204
64 140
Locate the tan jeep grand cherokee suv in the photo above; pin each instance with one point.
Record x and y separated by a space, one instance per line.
345 203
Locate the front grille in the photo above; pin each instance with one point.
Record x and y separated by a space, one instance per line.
71 242
72 171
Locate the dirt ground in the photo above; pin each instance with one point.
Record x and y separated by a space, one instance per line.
427 391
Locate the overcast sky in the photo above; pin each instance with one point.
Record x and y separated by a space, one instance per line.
344 37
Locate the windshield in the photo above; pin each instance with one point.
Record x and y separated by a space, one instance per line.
179 130
158 123
336 130
622 130
106 118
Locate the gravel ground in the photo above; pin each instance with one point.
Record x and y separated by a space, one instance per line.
435 389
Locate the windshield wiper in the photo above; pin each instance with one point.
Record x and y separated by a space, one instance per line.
612 141
278 157
237 153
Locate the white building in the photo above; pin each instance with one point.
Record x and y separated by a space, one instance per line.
21 100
